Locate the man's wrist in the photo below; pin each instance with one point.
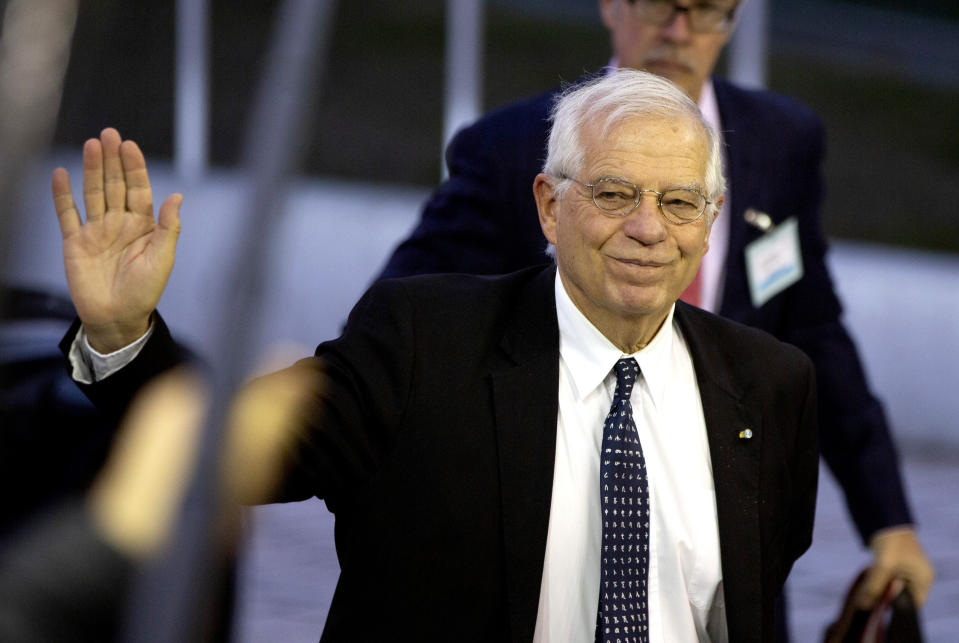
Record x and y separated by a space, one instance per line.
89 365
110 338
892 530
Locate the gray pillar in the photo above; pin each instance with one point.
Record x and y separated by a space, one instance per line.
464 66
192 89
748 51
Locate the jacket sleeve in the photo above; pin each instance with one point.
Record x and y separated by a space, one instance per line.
354 416
855 439
112 395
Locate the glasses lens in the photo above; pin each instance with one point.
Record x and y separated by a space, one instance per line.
654 11
615 197
709 17
703 16
683 205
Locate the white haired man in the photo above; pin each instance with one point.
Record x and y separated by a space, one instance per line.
483 221
562 453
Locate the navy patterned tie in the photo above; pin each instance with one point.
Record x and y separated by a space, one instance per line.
623 613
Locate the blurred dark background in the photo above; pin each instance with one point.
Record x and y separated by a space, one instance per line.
883 75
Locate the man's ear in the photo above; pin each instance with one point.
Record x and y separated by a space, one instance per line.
709 228
546 205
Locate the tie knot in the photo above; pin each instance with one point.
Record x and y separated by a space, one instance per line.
626 371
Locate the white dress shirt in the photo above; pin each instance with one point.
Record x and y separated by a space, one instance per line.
685 576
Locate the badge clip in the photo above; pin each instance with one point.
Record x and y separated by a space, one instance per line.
759 219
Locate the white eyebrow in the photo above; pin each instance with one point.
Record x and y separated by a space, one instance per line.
688 186
615 177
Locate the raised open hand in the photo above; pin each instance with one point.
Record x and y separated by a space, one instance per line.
118 260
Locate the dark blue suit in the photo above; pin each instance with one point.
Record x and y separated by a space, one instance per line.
483 220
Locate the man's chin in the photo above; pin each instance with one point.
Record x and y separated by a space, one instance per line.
643 302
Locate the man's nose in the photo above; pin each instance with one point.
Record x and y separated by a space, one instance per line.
677 29
646 223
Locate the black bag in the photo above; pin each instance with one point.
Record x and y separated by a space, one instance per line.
894 619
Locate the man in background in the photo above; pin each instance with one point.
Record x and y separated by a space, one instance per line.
483 220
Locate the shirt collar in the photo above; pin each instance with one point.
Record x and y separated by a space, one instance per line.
708 105
591 356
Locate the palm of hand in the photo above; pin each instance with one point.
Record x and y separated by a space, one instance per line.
118 260
112 268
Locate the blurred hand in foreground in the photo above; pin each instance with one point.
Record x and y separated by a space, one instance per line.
136 497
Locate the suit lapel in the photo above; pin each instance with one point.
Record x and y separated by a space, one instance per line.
736 473
524 387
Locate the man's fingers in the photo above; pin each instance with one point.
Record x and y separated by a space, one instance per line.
67 213
168 220
139 197
169 217
93 179
877 578
114 184
919 576
899 554
919 590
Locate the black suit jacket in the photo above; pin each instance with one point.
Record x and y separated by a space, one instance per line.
437 454
433 442
483 220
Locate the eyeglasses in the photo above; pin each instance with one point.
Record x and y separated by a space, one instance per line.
703 16
618 197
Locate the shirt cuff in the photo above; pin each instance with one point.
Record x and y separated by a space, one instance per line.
88 366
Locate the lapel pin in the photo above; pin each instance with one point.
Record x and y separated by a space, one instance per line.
745 434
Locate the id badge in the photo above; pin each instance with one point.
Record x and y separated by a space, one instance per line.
774 262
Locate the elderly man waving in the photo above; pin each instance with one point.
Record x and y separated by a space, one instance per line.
564 453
